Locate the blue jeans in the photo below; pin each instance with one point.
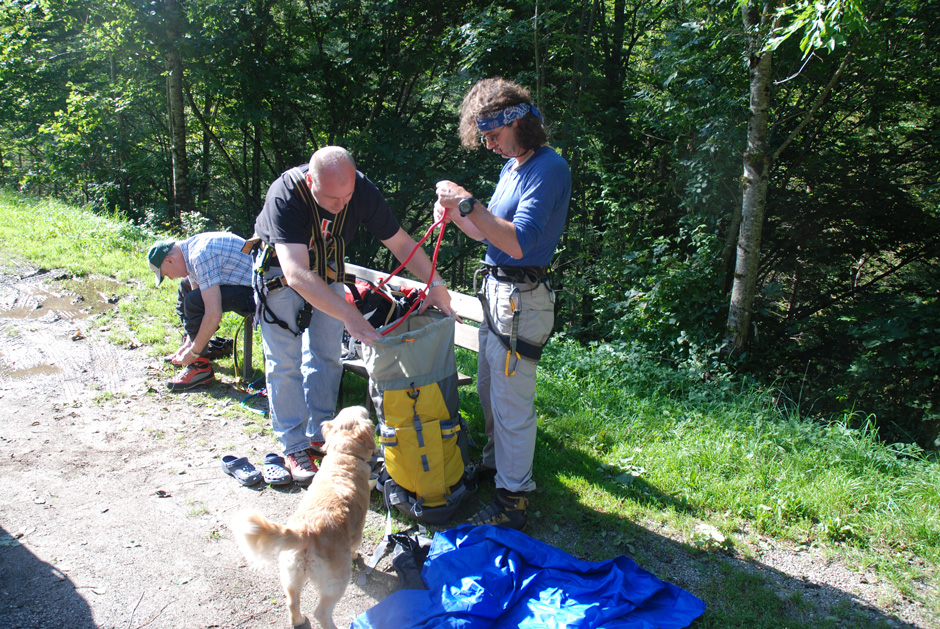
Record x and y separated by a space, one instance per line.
303 372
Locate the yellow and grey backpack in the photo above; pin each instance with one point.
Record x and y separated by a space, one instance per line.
413 384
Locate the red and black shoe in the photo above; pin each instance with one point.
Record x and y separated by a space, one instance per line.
303 466
200 372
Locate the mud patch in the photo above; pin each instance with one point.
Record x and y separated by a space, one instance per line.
38 370
77 298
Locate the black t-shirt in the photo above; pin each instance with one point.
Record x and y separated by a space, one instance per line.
287 218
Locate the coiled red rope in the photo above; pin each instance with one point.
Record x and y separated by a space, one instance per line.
423 293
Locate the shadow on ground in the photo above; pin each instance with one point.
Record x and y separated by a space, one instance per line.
35 594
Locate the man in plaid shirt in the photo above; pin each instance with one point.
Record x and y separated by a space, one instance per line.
215 278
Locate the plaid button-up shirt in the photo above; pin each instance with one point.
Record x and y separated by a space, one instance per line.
216 258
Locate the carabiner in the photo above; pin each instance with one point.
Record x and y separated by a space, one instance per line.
509 353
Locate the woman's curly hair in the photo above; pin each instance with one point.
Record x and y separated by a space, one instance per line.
490 96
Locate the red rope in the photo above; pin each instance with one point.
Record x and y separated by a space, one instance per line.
422 293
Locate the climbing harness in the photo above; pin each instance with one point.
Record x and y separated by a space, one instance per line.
326 253
532 277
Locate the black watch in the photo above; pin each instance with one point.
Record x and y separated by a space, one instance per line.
466 205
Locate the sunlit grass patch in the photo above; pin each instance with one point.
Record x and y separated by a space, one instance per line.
55 235
620 434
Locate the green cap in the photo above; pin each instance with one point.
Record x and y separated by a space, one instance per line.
157 255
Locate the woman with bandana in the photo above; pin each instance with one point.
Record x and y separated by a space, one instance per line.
521 227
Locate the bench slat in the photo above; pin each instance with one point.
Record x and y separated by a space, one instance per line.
467 336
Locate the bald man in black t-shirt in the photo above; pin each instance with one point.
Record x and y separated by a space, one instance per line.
310 215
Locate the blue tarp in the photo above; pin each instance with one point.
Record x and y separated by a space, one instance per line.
488 577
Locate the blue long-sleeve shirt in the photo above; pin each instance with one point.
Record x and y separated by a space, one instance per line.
535 199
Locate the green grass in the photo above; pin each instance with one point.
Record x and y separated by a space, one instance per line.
719 449
196 509
54 235
621 435
691 478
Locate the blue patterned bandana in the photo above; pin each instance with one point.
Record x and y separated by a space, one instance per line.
506 116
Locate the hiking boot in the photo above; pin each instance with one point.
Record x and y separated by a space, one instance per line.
200 372
507 509
480 471
219 347
302 465
318 451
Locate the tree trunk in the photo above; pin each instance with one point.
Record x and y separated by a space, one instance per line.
255 202
206 161
176 106
121 150
730 249
755 180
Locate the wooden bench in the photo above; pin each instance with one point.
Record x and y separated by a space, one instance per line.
467 307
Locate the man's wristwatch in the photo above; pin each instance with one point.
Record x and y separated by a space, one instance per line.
466 205
437 283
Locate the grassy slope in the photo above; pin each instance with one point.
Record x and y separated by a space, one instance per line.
627 446
53 235
664 446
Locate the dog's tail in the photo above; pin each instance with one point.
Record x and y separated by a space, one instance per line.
260 540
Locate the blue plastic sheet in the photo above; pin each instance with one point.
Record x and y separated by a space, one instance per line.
487 577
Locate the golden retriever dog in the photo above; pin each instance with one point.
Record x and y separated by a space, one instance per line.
319 541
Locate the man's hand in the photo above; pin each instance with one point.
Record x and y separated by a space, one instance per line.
439 298
177 358
361 329
449 195
441 211
185 355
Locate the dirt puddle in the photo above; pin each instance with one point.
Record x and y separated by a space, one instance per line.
79 299
76 299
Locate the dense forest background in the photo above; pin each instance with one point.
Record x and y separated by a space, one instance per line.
756 185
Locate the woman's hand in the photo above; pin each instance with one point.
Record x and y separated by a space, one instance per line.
450 194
